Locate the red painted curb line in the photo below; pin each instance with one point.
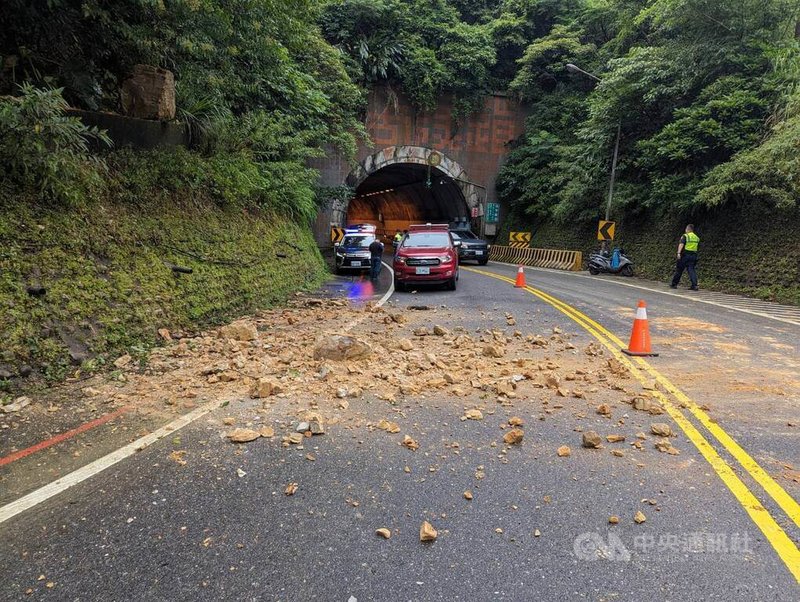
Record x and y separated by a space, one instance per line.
17 455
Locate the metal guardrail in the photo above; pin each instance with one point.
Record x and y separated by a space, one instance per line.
556 259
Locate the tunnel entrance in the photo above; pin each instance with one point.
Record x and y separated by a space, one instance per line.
400 194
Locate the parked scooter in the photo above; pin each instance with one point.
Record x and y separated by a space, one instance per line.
610 263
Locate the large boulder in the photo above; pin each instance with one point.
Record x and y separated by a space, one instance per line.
340 347
149 93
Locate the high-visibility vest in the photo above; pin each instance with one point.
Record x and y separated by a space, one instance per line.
692 240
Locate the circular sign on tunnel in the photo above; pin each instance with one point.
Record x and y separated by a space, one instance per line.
434 159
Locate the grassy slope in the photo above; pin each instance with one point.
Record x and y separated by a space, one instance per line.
108 288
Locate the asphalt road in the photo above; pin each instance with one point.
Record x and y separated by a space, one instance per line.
149 529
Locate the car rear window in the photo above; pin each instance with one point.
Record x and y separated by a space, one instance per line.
465 234
427 239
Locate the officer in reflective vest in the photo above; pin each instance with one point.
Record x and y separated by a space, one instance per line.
687 258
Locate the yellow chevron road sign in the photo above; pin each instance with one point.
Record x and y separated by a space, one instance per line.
605 230
337 234
519 240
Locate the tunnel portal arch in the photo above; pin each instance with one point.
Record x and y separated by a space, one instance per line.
396 173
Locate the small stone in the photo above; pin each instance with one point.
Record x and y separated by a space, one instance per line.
302 427
123 361
642 404
267 431
495 351
341 392
617 452
405 344
537 533
242 435
467 495
662 429
473 414
552 381
383 532
604 409
263 387
164 334
439 331
427 532
291 488
639 517
341 348
229 420
240 472
410 443
239 331
615 438
513 437
16 405
515 421
563 451
388 426
591 440
613 520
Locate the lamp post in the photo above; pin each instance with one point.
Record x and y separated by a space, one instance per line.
575 69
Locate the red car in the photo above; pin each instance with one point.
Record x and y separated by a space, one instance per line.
426 255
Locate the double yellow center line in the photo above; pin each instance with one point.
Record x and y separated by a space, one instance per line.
783 545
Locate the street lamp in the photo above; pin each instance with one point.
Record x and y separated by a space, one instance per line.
575 69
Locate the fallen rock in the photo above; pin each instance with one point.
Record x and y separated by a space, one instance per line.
604 409
515 421
267 431
615 438
473 414
410 443
383 532
341 348
662 429
513 437
563 451
613 520
639 517
427 532
440 331
495 351
552 381
592 440
123 361
665 446
467 495
243 435
405 344
239 331
263 387
388 426
291 489
16 405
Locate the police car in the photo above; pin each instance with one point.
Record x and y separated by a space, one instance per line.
352 253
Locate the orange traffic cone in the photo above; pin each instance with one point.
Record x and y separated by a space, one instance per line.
640 335
520 283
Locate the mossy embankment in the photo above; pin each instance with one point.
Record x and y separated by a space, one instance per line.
750 250
106 267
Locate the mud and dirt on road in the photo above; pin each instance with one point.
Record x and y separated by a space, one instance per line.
319 361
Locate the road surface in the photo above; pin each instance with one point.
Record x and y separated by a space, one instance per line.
721 515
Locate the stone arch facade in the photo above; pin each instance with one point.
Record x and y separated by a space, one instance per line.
419 155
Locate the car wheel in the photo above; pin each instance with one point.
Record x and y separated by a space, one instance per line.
627 270
452 284
593 271
483 261
399 286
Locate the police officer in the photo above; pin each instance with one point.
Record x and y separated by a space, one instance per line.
687 258
376 254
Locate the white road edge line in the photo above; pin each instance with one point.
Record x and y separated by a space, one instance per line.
654 290
81 474
43 493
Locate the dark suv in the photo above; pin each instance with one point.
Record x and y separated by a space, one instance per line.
472 247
